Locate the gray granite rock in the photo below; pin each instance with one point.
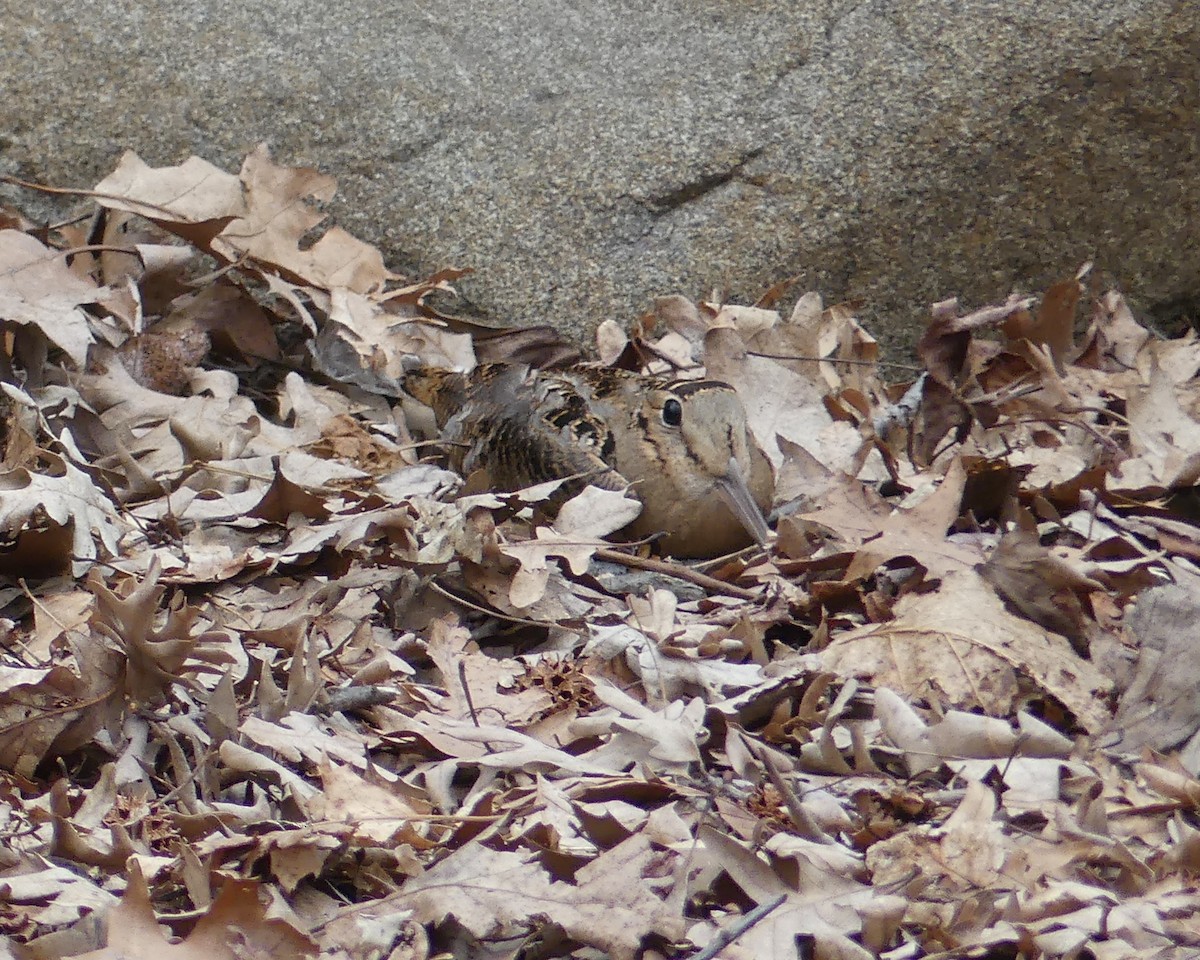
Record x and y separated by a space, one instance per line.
586 157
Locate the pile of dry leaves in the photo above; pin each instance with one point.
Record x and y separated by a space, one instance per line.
269 688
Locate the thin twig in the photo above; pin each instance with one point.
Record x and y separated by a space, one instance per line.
99 195
412 818
805 825
98 248
726 937
747 555
846 360
466 689
57 712
1083 425
72 251
676 570
31 657
500 615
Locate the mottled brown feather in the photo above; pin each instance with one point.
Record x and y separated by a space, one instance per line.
514 427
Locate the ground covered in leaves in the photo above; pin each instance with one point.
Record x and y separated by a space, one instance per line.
272 685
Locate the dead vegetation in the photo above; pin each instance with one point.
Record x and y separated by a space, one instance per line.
269 688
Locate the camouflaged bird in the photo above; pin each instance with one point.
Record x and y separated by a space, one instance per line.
682 447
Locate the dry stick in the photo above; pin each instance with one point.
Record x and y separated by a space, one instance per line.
746 554
99 195
726 937
85 248
414 818
438 588
57 712
466 689
1100 438
31 657
678 571
1150 809
847 360
805 825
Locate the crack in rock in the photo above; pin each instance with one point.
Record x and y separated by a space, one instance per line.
663 203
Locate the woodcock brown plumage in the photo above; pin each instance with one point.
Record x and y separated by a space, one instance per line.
681 446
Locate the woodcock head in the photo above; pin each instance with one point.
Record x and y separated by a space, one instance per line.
701 478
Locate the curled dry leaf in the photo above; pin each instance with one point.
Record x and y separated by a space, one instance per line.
155 656
575 537
56 517
262 214
237 916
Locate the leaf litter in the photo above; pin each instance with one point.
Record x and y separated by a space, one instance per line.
274 684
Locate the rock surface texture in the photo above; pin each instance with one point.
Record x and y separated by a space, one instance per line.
584 158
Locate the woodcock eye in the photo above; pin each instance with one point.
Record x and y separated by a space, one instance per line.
672 413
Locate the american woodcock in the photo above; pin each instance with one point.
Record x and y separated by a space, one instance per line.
681 446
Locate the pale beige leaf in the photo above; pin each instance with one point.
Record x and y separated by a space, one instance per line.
193 192
499 894
278 218
960 646
37 287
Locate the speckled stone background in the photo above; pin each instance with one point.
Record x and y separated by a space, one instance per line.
586 157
